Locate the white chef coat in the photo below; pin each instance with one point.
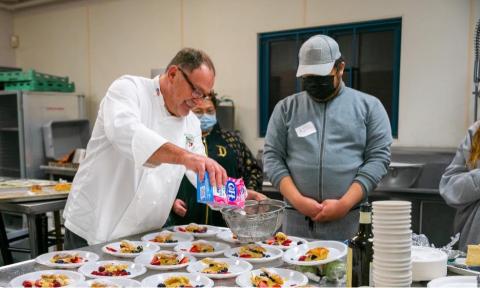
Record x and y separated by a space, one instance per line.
113 193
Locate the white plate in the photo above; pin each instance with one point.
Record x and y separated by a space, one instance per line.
227 236
272 253
211 231
147 247
44 259
336 251
146 258
235 268
180 237
74 277
218 247
290 277
134 269
195 279
294 243
122 282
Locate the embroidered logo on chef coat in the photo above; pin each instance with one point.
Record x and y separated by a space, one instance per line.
189 141
222 151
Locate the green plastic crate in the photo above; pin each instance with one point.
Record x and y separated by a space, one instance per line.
30 75
35 85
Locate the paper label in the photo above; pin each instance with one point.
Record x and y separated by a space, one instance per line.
305 129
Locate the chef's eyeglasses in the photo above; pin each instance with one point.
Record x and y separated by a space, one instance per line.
196 93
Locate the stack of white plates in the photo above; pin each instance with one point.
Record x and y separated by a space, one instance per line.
392 243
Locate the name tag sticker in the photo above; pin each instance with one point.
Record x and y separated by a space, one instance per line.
305 129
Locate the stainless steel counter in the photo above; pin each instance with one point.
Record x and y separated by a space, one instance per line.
9 272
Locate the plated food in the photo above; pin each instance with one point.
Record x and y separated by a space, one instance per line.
473 255
121 269
254 253
202 248
111 269
66 259
267 279
197 230
219 268
111 283
167 238
47 278
284 241
165 260
271 277
315 253
129 249
177 280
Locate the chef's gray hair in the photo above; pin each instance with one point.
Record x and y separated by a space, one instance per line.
190 59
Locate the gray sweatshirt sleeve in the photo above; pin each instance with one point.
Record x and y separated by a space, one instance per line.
460 185
275 152
377 150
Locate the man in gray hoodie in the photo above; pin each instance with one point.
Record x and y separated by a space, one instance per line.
460 187
326 147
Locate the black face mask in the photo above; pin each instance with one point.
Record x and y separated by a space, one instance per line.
320 88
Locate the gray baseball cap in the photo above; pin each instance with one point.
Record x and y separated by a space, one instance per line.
317 56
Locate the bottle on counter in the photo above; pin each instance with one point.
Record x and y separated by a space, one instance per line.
360 250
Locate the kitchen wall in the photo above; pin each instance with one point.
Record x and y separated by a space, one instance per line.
96 41
7 54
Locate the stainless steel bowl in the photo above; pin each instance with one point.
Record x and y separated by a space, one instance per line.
258 221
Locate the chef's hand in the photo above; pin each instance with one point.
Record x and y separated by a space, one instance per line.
307 206
333 209
179 207
199 164
254 195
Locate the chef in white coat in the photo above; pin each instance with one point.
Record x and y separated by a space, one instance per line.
144 141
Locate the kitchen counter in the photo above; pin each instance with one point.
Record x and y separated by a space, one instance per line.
11 271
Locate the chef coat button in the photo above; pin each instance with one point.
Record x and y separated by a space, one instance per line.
169 180
154 202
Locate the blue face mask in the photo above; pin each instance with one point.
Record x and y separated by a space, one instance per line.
207 121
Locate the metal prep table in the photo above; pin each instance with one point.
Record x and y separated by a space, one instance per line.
23 201
32 210
9 272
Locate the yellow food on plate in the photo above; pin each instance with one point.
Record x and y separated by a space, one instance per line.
48 280
251 251
315 254
36 188
66 258
164 238
267 279
168 258
193 228
98 284
201 247
62 187
128 247
473 255
214 267
176 281
110 267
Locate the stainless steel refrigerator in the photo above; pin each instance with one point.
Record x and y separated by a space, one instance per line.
22 114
